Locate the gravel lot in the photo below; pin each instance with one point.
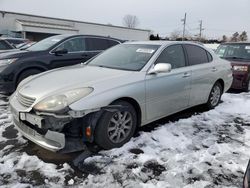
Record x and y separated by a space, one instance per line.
194 148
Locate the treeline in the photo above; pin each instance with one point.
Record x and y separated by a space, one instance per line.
236 37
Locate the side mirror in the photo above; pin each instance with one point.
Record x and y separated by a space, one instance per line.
59 52
160 68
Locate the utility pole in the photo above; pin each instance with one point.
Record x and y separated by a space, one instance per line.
184 25
201 29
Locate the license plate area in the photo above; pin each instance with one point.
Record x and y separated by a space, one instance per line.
33 119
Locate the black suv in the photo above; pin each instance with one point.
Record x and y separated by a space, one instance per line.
53 52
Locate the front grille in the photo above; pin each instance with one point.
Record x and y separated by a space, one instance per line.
25 100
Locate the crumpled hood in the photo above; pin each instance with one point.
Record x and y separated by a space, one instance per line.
54 81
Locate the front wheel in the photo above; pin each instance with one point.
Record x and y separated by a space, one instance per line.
215 96
116 128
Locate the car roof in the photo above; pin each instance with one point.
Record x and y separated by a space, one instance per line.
162 42
98 36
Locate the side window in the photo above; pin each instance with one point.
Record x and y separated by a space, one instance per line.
97 44
73 45
196 55
173 55
113 43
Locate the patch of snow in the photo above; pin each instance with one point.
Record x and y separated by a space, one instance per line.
208 149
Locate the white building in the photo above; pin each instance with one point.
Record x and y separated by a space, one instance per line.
38 27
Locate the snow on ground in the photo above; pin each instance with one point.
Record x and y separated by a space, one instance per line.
208 149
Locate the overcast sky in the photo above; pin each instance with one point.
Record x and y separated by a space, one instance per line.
162 16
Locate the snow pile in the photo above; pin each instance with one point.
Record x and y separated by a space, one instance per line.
208 149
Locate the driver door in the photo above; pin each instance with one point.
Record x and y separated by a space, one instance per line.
167 93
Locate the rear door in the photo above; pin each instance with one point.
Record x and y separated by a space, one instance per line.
95 45
167 93
204 73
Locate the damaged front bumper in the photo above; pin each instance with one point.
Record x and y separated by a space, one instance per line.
51 140
47 130
57 133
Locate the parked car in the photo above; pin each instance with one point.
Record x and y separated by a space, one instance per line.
239 55
5 46
127 86
15 41
50 53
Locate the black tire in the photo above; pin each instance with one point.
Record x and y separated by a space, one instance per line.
26 74
210 103
103 134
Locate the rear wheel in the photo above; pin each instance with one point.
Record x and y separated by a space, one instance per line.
215 96
26 74
116 128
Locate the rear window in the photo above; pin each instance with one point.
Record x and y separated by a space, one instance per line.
196 55
113 43
97 44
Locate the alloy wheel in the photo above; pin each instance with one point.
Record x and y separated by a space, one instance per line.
215 95
120 126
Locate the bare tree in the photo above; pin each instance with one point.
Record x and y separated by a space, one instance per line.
243 36
130 21
235 37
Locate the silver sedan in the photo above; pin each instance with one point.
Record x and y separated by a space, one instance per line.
105 99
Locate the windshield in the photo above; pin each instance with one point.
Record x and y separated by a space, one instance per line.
45 44
234 51
125 57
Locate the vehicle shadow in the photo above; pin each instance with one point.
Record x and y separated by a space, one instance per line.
172 118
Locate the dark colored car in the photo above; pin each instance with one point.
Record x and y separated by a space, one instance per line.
53 52
5 46
239 56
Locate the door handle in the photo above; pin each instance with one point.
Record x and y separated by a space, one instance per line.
214 69
186 74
